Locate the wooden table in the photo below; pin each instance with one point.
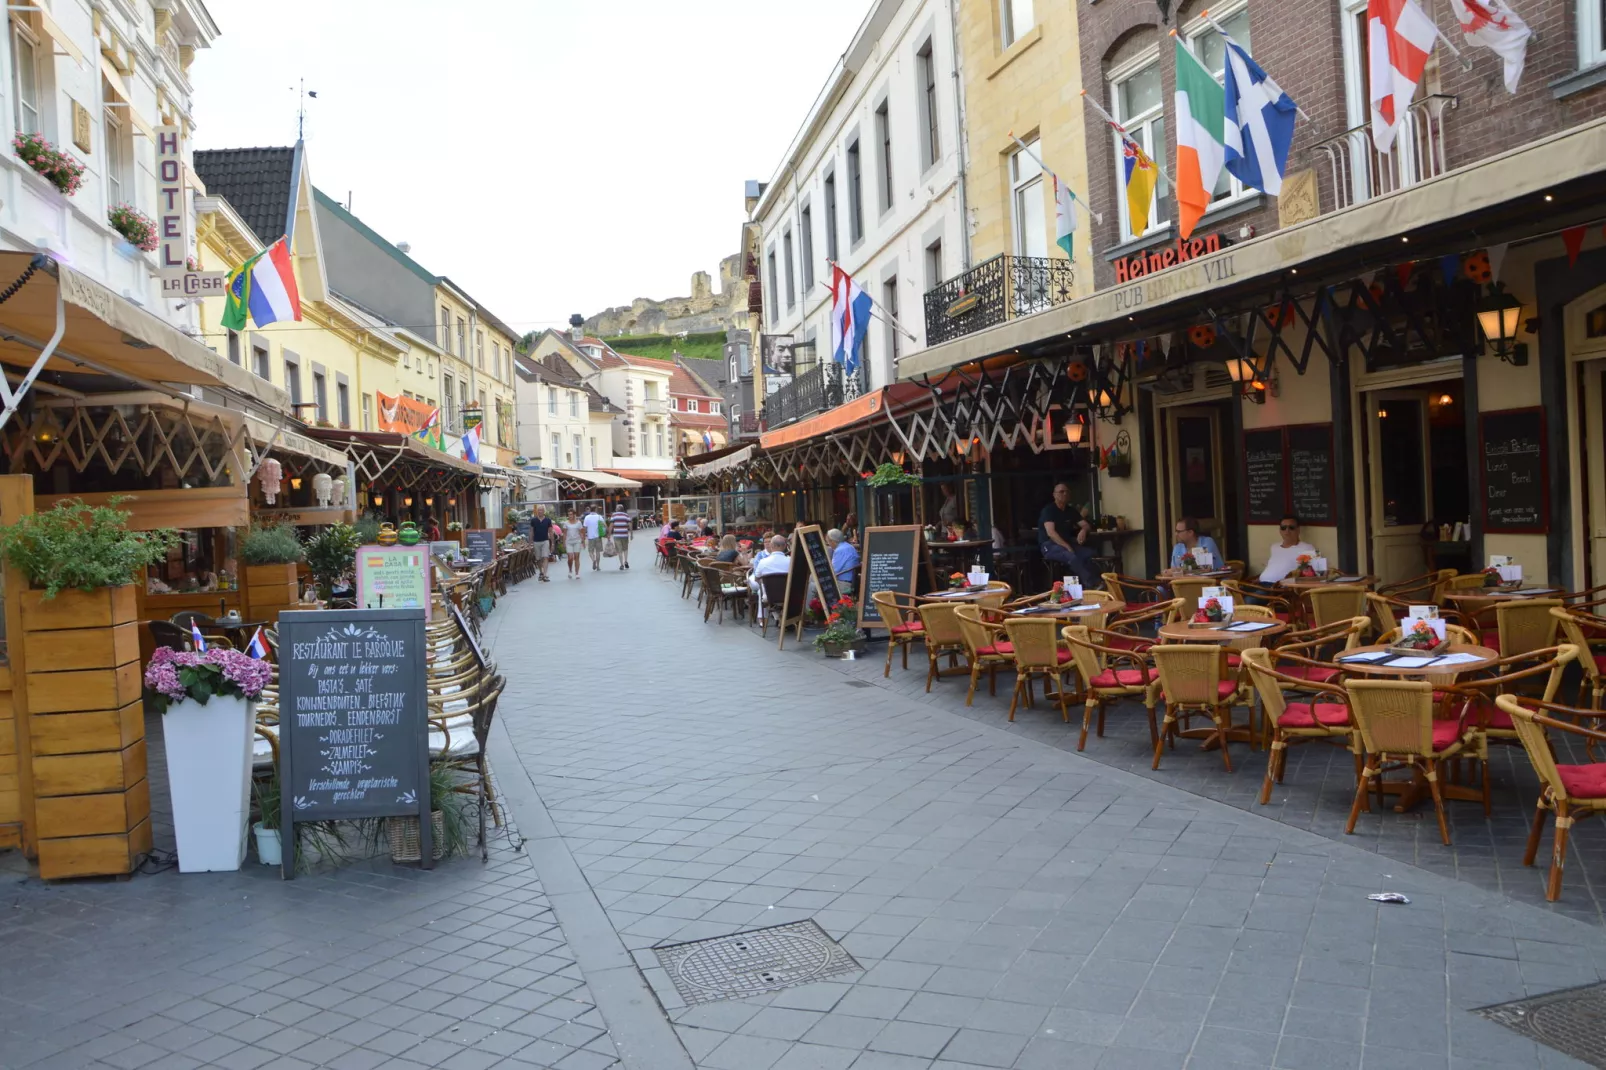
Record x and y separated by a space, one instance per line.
1069 612
1183 632
1471 603
969 594
1166 575
1332 581
1485 656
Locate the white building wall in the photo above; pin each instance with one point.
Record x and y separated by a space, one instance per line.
882 65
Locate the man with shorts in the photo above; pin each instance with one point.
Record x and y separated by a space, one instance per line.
593 523
619 528
541 535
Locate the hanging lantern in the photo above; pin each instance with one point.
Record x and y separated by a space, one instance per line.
1202 335
337 491
323 487
270 477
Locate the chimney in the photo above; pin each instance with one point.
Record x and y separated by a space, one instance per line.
577 326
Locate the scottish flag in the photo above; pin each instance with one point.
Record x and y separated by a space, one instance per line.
1259 123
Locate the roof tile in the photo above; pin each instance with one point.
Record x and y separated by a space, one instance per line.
257 182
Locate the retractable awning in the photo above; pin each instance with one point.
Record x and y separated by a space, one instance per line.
600 480
734 459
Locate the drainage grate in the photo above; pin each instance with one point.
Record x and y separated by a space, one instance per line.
745 964
858 683
1572 1021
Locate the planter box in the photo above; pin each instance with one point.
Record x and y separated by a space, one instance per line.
94 856
269 589
101 608
209 773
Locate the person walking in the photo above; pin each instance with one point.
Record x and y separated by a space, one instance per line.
619 527
540 538
593 524
574 539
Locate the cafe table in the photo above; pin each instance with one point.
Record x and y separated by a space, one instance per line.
1183 632
1201 574
1462 657
1064 612
1471 603
962 594
1330 580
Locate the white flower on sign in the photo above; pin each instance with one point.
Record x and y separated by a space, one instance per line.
303 803
408 798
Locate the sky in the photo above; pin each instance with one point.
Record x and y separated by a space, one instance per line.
551 156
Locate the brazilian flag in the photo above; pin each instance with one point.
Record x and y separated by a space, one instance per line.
239 295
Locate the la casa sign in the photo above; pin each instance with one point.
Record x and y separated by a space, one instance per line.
1158 259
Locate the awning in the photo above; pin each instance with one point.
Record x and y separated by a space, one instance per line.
640 475
1576 155
601 480
740 456
108 335
271 439
842 416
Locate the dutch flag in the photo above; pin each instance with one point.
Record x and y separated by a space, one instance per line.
471 445
850 320
197 637
1259 124
258 647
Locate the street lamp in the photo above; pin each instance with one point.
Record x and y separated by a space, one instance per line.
1500 317
1075 430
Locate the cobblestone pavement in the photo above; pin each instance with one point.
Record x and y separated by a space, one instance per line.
1012 905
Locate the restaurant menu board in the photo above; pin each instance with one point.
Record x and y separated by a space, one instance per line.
1515 490
393 577
353 720
819 559
1310 473
479 544
891 562
1264 475
522 527
446 550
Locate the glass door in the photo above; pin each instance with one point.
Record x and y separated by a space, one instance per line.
1195 470
1401 481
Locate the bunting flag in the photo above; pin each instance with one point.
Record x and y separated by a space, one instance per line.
1493 25
1141 175
1399 39
1450 267
1573 239
1497 256
1402 272
1201 116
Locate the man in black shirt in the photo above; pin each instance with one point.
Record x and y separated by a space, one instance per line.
540 533
1062 534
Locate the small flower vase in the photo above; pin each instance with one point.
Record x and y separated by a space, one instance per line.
209 774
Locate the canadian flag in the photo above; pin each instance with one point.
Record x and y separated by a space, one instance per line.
1495 26
1399 37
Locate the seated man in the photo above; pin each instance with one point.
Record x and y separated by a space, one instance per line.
1189 540
844 559
1284 556
775 561
1062 534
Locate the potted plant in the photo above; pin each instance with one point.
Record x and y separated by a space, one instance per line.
208 702
270 555
447 825
266 830
332 557
893 475
841 632
958 580
1492 577
135 226
1303 569
1209 612
60 169
1420 638
81 633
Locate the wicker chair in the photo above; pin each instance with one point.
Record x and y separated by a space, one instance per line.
772 593
940 629
721 588
1297 722
1395 719
1131 625
1135 593
998 593
1523 624
1188 590
982 631
185 618
1570 791
1428 587
1247 593
167 634
1037 653
1194 678
1104 679
1335 602
1588 633
1472 699
1236 567
901 613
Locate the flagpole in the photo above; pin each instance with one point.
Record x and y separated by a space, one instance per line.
1027 149
1228 38
1119 129
875 307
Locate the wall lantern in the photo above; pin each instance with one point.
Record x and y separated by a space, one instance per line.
1075 430
897 458
408 501
1500 317
429 499
452 502
379 500
1240 370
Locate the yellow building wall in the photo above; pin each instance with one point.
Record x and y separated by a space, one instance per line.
481 374
1033 89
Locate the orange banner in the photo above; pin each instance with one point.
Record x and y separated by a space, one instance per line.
403 415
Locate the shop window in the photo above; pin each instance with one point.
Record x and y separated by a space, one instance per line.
1014 20
1138 106
25 79
343 403
1211 49
203 561
1026 199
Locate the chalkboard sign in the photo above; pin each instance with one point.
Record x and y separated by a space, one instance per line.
819 560
479 544
1265 480
797 589
522 527
1516 494
1310 473
891 562
353 720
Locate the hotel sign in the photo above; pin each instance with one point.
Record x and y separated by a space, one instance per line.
172 209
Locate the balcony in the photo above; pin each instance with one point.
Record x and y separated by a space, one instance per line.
819 389
749 425
655 407
1359 172
996 290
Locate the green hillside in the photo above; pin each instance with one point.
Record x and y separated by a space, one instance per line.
708 346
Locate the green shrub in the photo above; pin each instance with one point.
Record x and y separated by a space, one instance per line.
82 547
332 556
276 544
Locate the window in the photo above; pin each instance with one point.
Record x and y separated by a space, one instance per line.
320 396
889 301
551 401
830 216
805 237
484 409
1026 199
660 452
292 383
926 72
775 286
1211 49
259 360
367 412
1014 20
445 340
451 410
883 131
713 407
791 284
343 403
691 404
574 403
25 79
934 264
479 350
234 347
556 451
855 195
649 390
116 160
593 452
579 457
1138 106
1591 32
462 338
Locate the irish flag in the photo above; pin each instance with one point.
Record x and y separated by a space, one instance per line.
1201 115
265 287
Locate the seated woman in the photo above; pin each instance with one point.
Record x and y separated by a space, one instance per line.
728 553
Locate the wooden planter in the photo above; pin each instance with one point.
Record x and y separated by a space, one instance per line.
86 731
269 589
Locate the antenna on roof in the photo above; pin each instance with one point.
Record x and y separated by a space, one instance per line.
301 111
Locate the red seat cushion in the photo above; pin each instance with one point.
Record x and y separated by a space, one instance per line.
1446 733
905 629
1284 617
1490 639
1224 689
1328 714
1123 642
997 649
1119 678
1234 660
1309 673
1584 781
1600 662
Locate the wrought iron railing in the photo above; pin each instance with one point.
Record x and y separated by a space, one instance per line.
819 388
1003 288
1359 172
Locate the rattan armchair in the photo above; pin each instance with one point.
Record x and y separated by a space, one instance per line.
723 588
996 595
981 629
1471 699
1588 633
1428 587
1335 602
940 629
901 613
1324 717
1569 791
1109 674
1187 591
1395 719
1307 655
1523 624
1037 654
1134 592
1260 594
1151 615
1194 678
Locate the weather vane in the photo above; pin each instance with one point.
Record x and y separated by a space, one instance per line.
301 112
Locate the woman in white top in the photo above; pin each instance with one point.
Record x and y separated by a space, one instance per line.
574 542
1284 556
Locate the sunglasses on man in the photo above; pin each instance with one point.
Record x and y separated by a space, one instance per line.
1287 527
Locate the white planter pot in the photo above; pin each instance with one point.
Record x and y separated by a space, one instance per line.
268 851
209 773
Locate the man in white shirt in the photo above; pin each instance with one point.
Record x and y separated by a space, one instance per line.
593 522
1284 557
774 562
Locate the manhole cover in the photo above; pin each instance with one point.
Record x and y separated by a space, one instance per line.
745 964
1572 1021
